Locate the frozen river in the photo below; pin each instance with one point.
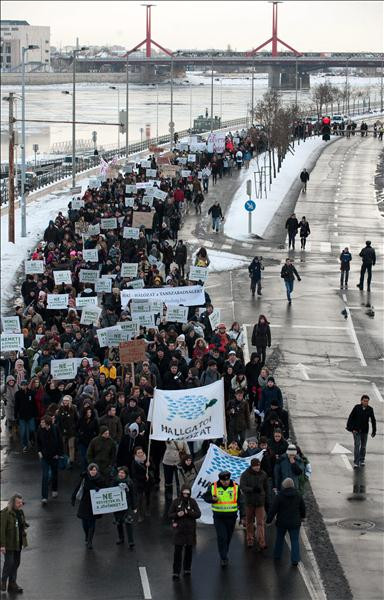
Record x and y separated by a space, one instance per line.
149 107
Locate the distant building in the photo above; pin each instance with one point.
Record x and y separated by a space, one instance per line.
16 35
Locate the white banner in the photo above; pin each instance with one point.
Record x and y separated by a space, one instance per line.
108 500
198 274
188 295
128 269
90 315
87 301
216 460
136 284
34 267
214 318
88 275
11 324
57 301
177 314
62 277
65 368
103 285
91 255
195 414
12 342
131 232
110 223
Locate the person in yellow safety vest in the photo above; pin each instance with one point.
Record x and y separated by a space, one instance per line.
226 500
108 369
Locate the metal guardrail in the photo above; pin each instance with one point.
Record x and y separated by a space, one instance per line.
60 171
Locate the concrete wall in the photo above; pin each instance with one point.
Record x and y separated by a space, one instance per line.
144 76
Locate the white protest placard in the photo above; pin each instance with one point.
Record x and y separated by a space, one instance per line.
145 164
94 229
214 318
182 160
108 500
140 307
144 320
128 167
34 267
65 368
90 315
148 201
131 232
11 324
110 223
198 274
129 330
82 301
103 285
109 336
77 204
128 269
200 175
91 255
136 284
130 188
157 306
57 301
129 202
191 158
188 295
185 173
88 275
12 342
94 182
108 276
182 146
152 259
177 314
159 194
150 172
62 277
216 142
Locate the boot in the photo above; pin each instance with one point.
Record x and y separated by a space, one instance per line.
120 532
4 585
13 588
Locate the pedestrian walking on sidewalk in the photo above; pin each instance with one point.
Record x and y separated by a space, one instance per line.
292 226
304 178
289 508
368 256
345 265
358 425
13 539
254 270
261 337
184 512
304 232
217 215
288 273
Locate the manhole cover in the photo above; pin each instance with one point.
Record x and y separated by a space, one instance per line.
356 524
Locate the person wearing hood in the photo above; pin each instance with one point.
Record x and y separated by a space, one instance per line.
261 337
143 478
91 479
102 451
184 512
270 424
52 234
288 465
128 443
130 412
289 508
125 517
8 392
271 395
187 471
25 414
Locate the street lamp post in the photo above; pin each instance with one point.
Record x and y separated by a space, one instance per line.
23 202
296 74
381 84
171 123
253 90
127 108
113 87
157 113
212 95
75 52
141 137
35 149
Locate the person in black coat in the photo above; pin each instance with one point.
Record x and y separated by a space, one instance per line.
183 511
25 413
288 273
89 480
50 448
252 372
292 226
289 508
345 266
304 178
254 270
125 517
368 256
261 337
87 429
143 479
358 424
304 232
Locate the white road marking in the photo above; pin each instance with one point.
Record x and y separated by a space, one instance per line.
352 332
319 588
344 296
145 583
232 301
377 393
346 462
315 588
246 345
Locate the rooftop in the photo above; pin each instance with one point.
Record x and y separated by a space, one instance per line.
10 22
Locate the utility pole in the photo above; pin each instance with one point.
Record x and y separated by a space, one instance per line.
212 95
381 84
126 109
253 92
74 115
11 175
171 123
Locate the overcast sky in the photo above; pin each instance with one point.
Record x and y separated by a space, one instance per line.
307 26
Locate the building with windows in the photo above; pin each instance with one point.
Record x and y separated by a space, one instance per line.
16 35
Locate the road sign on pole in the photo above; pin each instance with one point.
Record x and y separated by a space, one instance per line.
250 205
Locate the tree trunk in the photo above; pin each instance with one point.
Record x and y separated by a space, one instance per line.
273 163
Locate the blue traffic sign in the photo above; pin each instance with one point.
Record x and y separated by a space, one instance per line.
250 205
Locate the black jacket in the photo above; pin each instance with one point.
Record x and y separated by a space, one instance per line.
49 442
358 420
292 224
25 407
368 255
289 508
215 211
261 335
288 272
90 483
254 487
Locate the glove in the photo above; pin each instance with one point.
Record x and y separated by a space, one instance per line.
299 279
373 434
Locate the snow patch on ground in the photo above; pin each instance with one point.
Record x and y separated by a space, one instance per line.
225 261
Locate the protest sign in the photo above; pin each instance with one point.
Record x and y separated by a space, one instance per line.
147 201
185 173
216 142
214 318
110 223
177 314
94 229
150 172
11 324
77 204
65 368
128 269
131 232
130 188
128 329
91 255
146 164
109 336
103 285
90 315
136 283
34 267
159 194
169 170
108 500
129 202
188 295
57 301
132 351
144 320
142 218
191 158
82 301
62 277
88 275
198 274
12 342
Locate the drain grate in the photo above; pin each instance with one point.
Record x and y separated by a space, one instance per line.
356 524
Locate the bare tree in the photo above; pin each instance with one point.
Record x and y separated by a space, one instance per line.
322 95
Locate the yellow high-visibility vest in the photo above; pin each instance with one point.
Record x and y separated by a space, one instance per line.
227 498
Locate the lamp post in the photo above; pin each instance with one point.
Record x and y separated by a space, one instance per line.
126 108
75 53
157 113
171 122
212 95
381 84
141 137
253 91
296 74
23 202
113 87
35 149
190 106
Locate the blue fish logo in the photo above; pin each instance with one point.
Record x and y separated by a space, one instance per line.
188 407
226 462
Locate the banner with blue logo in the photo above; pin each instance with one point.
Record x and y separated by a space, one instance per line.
192 414
216 460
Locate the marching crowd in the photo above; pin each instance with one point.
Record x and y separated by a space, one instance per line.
98 420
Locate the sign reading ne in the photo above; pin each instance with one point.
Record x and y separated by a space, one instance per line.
103 286
34 267
12 342
108 500
128 269
90 315
65 368
91 255
62 277
214 318
177 314
188 295
57 301
131 232
109 223
198 274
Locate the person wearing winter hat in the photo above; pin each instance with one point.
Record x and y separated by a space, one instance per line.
91 479
102 450
184 512
288 465
125 517
254 485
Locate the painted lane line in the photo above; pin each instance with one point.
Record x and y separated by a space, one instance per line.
352 332
377 393
346 462
344 296
145 583
313 587
232 301
319 587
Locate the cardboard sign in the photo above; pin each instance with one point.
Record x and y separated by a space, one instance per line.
90 315
150 172
86 301
129 329
131 233
76 190
103 285
12 342
129 202
177 314
198 274
65 368
57 301
91 255
132 351
142 218
94 229
11 324
34 267
77 204
214 318
108 500
88 275
81 227
128 269
110 223
185 173
62 277
130 188
136 284
169 170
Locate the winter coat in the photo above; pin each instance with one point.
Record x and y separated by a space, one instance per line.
292 224
66 419
289 508
25 407
87 430
345 261
10 521
261 335
181 254
102 451
270 395
215 211
288 273
139 476
184 528
238 415
278 448
255 269
49 442
209 377
126 448
114 426
358 420
368 255
8 395
125 516
304 229
284 468
187 475
254 486
304 176
85 506
173 450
